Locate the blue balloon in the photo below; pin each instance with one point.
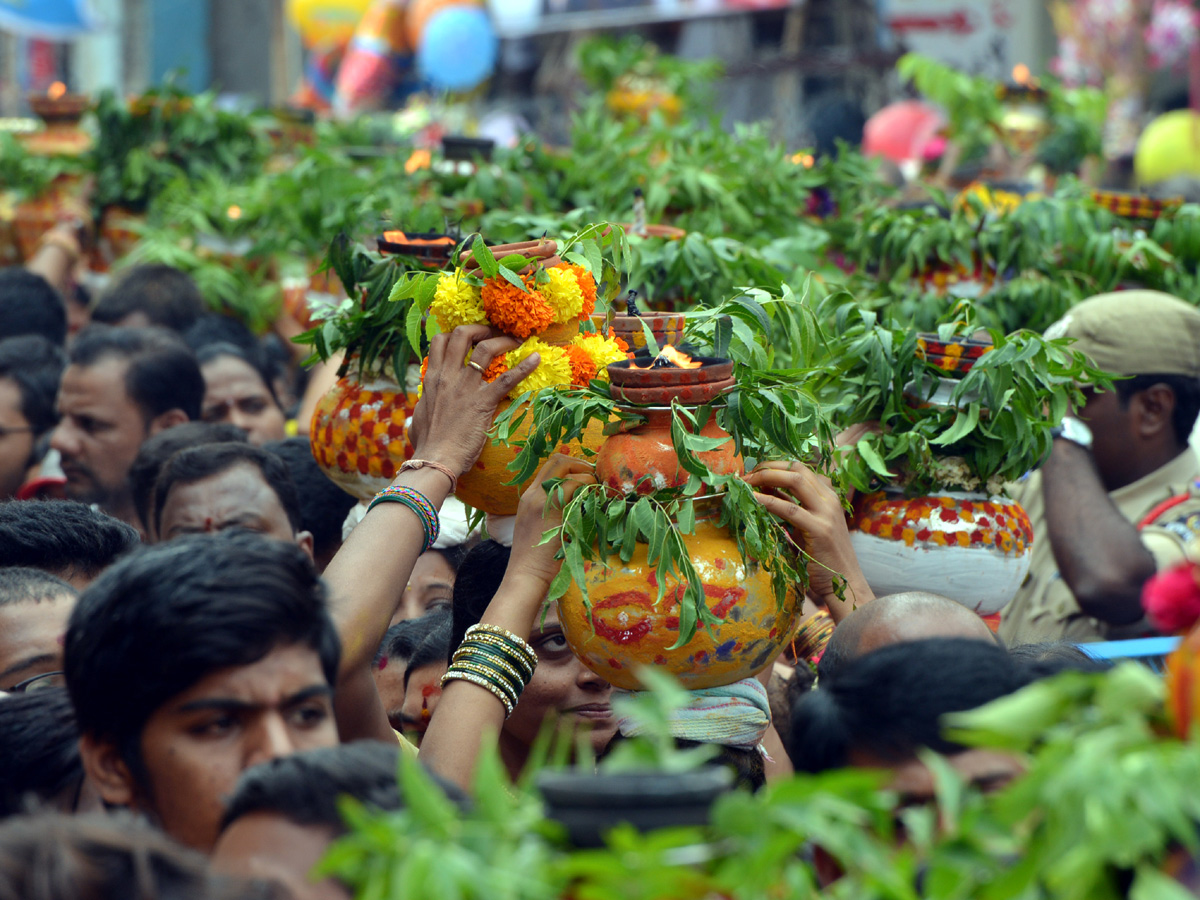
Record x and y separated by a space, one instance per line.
458 49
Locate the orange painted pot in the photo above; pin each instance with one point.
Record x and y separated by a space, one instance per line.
970 547
359 432
483 485
627 628
641 459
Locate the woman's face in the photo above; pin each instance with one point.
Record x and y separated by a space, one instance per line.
562 689
430 587
235 393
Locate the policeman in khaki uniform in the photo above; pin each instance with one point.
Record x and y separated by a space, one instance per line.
1117 498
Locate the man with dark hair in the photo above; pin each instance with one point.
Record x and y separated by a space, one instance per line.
221 486
62 537
30 370
122 386
151 295
192 661
39 744
1116 499
284 814
897 619
323 505
159 448
30 305
34 607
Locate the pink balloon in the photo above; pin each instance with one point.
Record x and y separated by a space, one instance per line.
904 131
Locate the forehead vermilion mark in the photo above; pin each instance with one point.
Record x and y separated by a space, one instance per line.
429 690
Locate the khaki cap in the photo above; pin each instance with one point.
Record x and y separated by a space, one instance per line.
1135 333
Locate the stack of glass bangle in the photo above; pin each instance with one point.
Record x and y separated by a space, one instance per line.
496 660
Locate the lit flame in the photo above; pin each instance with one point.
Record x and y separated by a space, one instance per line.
671 358
56 90
234 212
1021 74
804 159
420 159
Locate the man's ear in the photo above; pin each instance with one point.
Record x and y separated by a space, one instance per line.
107 771
1155 411
169 419
304 540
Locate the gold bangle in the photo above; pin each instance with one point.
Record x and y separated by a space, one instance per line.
492 689
480 658
499 645
520 643
492 675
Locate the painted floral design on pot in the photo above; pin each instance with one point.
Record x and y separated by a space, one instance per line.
625 628
970 547
359 432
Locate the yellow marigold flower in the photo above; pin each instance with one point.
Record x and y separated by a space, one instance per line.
456 302
563 293
602 350
553 371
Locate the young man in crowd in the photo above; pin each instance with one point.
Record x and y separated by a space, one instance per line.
67 539
34 608
30 370
216 487
1116 499
192 661
323 505
122 386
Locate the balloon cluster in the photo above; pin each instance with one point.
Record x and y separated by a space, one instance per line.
447 45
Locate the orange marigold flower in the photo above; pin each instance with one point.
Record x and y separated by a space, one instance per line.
495 369
583 368
514 311
612 333
587 284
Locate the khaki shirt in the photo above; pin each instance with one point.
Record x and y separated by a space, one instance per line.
1044 608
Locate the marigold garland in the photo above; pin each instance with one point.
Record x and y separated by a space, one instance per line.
583 367
563 293
554 370
495 369
516 312
587 286
456 302
602 351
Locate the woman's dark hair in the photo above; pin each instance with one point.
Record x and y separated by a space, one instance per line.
890 702
160 447
163 373
476 584
35 366
40 748
1055 657
197 463
161 620
64 537
98 857
323 505
167 297
402 639
1187 399
252 358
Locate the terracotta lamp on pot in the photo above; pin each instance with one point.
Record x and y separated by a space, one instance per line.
61 112
622 624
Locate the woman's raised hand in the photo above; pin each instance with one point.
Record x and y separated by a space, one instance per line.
457 407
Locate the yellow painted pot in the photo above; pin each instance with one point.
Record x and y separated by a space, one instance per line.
483 485
359 432
628 628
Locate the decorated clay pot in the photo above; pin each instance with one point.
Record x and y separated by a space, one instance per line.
62 135
627 628
667 329
359 431
969 547
33 218
957 354
432 250
483 485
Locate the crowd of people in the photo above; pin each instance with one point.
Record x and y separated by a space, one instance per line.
198 658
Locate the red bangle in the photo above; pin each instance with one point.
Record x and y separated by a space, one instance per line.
415 464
